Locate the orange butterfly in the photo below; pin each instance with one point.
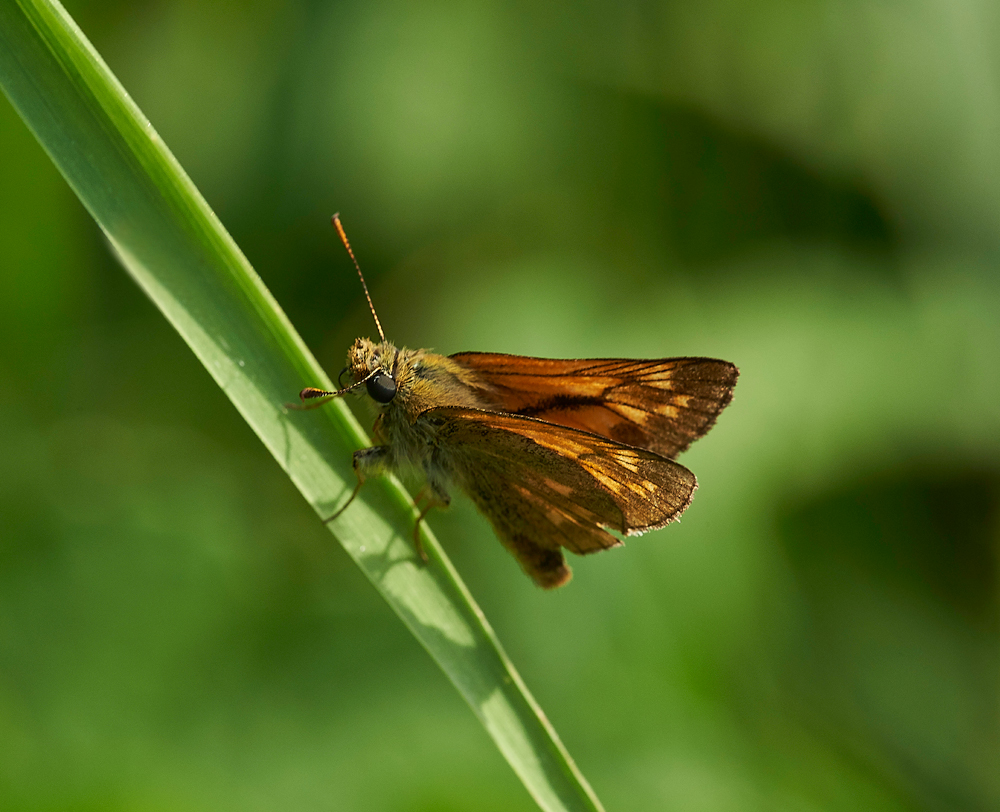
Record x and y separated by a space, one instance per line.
552 452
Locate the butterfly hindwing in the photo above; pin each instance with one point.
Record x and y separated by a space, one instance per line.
545 486
662 405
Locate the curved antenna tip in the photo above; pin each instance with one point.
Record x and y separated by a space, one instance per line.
343 238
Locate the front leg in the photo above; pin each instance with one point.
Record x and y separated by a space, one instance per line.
371 461
375 461
367 462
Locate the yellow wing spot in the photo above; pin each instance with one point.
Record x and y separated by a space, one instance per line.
558 487
636 415
557 515
628 460
612 485
642 488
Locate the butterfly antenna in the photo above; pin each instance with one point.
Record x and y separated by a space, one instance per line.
347 245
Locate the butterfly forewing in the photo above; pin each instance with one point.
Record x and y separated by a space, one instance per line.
662 405
546 486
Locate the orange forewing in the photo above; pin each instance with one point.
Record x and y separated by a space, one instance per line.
545 486
662 405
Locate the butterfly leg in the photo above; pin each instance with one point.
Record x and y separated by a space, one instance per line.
367 462
348 502
436 496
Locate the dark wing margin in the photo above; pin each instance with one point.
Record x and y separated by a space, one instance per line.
544 487
662 405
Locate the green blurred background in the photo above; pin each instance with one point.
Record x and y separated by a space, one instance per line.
811 191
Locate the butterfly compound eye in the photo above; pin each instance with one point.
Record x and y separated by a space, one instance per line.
381 388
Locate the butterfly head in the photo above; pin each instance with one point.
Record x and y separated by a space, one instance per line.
377 365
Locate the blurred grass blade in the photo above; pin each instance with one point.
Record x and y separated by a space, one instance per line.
179 253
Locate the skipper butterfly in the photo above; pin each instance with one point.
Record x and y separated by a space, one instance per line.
553 452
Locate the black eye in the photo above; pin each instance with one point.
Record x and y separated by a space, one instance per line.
381 387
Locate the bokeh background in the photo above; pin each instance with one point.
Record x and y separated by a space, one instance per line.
811 191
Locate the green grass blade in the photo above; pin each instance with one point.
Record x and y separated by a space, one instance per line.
179 253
